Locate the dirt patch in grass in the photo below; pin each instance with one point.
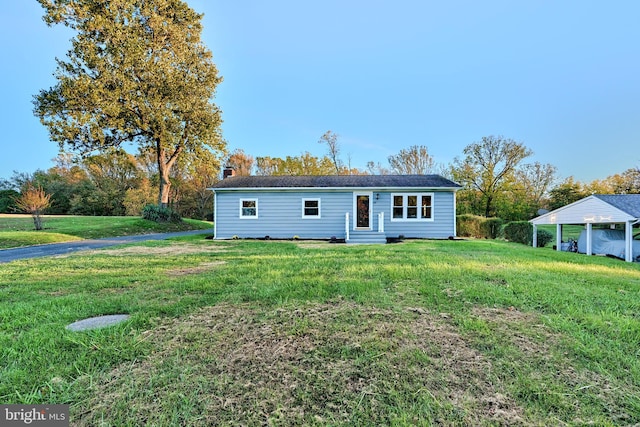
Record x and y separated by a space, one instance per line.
466 373
539 345
511 321
173 249
316 245
336 363
204 267
58 293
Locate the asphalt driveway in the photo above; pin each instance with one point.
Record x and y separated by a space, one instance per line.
8 255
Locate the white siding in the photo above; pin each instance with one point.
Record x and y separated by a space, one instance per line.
588 210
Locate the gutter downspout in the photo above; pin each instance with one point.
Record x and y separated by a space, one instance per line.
215 214
455 214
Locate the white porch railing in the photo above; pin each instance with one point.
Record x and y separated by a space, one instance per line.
381 222
346 225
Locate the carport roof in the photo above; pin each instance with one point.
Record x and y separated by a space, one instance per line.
595 209
629 203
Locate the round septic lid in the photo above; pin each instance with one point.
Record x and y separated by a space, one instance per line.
97 322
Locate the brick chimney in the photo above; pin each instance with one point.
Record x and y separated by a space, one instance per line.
228 172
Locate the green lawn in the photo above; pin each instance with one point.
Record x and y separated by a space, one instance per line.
304 333
18 231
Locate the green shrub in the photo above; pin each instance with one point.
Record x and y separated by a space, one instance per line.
468 225
160 214
544 237
519 232
491 228
522 232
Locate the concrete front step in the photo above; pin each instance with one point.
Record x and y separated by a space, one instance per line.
366 237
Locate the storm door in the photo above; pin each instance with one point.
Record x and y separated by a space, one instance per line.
362 210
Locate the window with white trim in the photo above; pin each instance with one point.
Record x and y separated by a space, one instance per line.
249 208
310 208
412 207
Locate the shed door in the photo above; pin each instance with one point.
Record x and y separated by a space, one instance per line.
362 210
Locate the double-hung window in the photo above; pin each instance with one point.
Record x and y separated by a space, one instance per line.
412 207
310 208
248 208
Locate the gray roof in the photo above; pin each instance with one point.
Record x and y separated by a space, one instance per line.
628 203
337 181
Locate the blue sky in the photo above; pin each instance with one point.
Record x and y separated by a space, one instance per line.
562 77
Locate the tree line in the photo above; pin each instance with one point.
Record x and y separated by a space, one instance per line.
116 183
497 180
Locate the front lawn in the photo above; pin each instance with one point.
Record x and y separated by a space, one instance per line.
18 230
307 333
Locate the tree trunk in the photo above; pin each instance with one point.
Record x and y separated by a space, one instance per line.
165 183
37 220
164 168
165 187
487 209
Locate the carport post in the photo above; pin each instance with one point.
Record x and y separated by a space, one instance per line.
628 241
558 237
535 236
589 238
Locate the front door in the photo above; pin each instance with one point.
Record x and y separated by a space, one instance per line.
362 210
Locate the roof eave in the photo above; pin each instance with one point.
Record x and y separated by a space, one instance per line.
401 188
545 219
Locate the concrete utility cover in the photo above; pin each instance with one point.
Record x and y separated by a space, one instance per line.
97 322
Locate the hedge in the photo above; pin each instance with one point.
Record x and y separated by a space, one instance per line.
522 232
160 214
468 225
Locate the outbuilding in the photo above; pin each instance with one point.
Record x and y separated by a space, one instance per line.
605 209
353 208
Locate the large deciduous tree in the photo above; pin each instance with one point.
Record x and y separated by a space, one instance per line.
137 73
112 175
628 182
536 180
333 146
374 168
414 160
488 165
193 176
241 162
